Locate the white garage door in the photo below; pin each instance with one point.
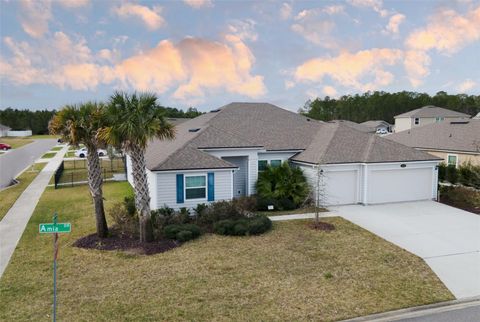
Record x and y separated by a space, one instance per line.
399 185
341 187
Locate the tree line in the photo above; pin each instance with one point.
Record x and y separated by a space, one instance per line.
384 106
37 121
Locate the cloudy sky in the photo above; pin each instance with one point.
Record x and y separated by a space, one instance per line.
208 53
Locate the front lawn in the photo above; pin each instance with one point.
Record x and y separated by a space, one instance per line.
289 274
56 148
16 142
9 195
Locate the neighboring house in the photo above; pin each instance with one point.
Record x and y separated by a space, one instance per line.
477 117
455 142
426 115
373 126
20 133
4 130
354 125
218 156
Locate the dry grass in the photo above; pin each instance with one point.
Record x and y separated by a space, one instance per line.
9 195
289 274
16 142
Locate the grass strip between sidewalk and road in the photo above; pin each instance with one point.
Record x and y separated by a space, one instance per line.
9 195
15 142
49 155
291 273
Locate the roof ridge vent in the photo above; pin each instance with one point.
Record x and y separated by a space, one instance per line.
459 122
194 129
215 110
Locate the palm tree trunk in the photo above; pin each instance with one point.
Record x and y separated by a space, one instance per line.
142 194
95 184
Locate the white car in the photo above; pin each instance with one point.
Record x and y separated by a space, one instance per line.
382 131
82 153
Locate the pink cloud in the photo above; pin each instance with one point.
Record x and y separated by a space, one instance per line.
197 4
150 17
352 69
34 17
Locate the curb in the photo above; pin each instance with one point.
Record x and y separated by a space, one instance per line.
418 311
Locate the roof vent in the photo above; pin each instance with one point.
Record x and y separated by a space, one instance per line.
215 111
194 130
308 120
459 122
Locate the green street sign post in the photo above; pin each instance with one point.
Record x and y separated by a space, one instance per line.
55 228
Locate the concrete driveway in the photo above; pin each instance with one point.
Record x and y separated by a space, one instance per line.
447 238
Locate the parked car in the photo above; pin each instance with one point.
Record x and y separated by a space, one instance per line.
5 146
382 131
82 153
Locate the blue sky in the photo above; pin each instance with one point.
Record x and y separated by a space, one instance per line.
208 53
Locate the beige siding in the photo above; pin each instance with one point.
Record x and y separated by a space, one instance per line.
402 124
462 157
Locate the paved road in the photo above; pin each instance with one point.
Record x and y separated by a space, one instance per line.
14 161
468 314
447 238
16 219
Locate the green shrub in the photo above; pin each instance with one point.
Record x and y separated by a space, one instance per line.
246 204
263 203
125 221
217 211
184 235
129 203
452 174
283 183
224 227
258 225
242 227
286 204
442 171
469 175
200 208
172 231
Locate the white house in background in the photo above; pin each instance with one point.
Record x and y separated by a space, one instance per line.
374 126
426 115
4 130
218 155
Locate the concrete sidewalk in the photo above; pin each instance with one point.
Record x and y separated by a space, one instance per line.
16 219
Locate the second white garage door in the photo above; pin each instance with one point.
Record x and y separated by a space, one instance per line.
399 185
341 187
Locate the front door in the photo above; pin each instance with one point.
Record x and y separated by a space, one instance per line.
239 176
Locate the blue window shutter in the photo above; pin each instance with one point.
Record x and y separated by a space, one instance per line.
211 186
179 188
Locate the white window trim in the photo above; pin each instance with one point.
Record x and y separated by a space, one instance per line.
456 159
185 187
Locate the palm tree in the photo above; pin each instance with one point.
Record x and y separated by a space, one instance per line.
80 124
132 121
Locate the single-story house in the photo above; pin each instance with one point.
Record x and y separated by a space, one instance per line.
373 126
455 142
4 130
426 115
218 156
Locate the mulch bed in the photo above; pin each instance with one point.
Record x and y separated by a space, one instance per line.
125 243
470 208
321 226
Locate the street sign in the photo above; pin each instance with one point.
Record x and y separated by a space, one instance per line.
52 228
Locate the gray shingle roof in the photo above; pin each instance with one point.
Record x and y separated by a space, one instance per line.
374 124
262 125
454 136
339 143
356 126
432 111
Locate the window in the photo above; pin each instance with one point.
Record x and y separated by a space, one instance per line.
275 163
195 187
262 165
452 159
417 121
439 119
